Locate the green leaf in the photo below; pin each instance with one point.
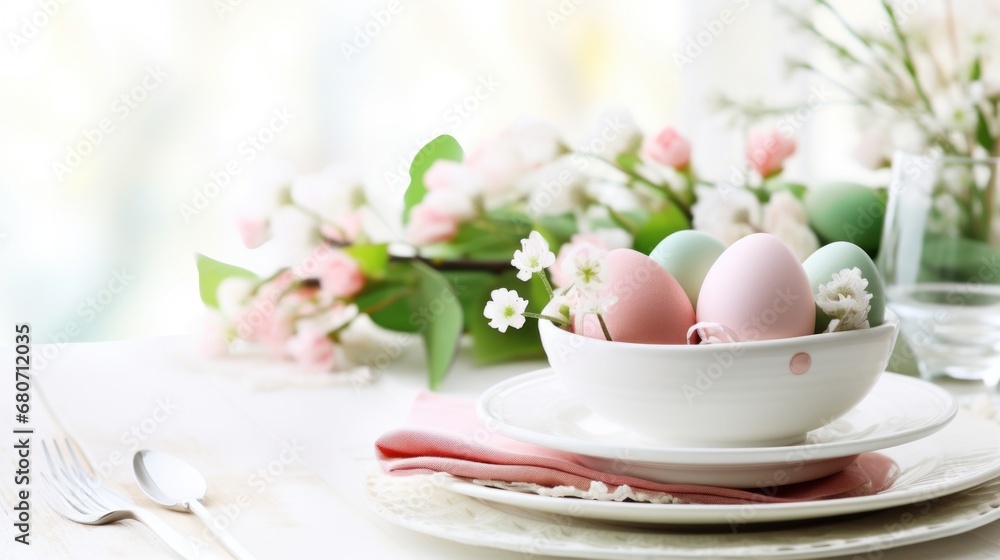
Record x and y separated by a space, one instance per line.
372 259
520 221
437 314
388 305
485 243
472 288
387 300
983 135
211 273
658 226
976 71
442 147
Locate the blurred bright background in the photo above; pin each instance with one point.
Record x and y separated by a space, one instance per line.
95 244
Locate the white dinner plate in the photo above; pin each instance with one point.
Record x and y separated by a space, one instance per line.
964 454
536 408
417 504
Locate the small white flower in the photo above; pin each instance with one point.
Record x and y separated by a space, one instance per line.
592 302
536 141
844 298
556 188
534 256
295 232
330 194
874 147
616 133
233 294
783 207
798 237
506 309
726 213
954 109
560 306
584 269
268 186
785 217
451 203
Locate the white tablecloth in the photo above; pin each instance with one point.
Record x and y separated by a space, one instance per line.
285 460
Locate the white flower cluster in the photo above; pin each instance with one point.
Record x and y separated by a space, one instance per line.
845 299
585 294
732 213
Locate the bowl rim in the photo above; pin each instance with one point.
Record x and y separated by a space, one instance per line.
890 323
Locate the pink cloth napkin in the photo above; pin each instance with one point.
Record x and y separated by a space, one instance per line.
445 435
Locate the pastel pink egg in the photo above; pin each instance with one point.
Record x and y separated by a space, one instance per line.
759 290
652 307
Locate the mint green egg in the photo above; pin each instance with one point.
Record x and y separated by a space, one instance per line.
687 255
850 212
832 258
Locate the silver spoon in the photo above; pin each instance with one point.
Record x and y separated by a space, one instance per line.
174 484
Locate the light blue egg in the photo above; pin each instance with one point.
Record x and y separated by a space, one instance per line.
687 255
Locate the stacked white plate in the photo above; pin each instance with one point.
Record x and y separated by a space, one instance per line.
943 455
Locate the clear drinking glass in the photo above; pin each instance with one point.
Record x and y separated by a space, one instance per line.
940 256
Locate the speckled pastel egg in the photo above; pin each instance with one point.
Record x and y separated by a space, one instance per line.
850 212
835 257
758 289
652 307
688 255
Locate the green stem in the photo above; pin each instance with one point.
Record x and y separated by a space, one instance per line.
665 191
556 320
689 180
435 263
850 29
545 282
989 197
604 327
622 220
635 177
904 46
376 307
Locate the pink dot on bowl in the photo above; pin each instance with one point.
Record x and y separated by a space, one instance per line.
800 363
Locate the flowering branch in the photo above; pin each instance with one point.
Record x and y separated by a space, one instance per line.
507 309
904 45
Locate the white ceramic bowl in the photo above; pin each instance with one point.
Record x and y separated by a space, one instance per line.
752 394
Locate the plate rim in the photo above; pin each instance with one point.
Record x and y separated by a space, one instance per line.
703 456
917 533
695 514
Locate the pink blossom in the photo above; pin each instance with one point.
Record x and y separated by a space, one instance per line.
312 350
429 225
668 148
499 163
340 275
345 229
874 147
452 189
253 230
767 150
213 341
271 327
264 320
536 141
303 300
446 175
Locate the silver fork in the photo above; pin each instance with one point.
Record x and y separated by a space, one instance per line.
80 497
